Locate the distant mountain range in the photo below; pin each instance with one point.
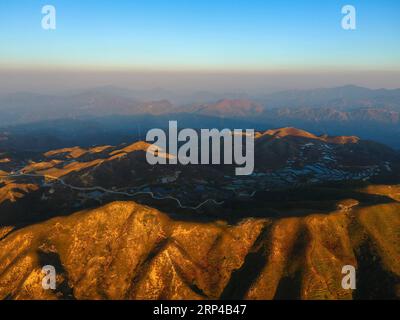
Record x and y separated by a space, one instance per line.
345 98
348 110
344 104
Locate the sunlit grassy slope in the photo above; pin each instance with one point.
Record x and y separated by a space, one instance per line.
129 251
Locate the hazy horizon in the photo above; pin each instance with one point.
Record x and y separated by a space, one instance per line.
255 47
57 82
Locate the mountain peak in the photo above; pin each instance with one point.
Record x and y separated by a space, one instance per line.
232 108
290 131
299 133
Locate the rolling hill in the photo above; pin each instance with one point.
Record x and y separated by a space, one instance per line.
115 227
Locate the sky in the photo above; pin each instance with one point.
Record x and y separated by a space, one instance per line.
285 39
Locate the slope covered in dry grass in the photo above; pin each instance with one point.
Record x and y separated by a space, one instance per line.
128 251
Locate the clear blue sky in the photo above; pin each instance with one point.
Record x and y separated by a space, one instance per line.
201 35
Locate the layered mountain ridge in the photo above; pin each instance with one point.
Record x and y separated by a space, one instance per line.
115 227
108 115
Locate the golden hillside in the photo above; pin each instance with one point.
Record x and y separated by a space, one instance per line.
128 251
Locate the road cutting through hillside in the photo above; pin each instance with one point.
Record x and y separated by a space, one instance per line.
98 188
